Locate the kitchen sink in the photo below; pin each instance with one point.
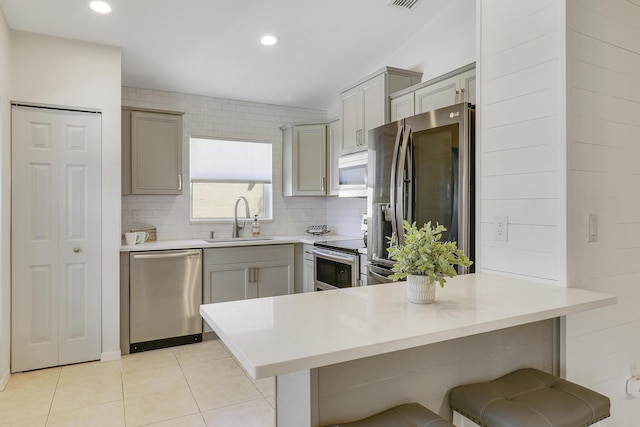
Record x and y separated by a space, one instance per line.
237 239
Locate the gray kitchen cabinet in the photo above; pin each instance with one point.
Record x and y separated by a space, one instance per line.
151 152
365 105
334 138
309 269
237 273
304 160
448 89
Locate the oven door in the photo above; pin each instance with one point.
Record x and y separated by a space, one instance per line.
335 270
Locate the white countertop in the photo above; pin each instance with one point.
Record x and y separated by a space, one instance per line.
278 335
159 245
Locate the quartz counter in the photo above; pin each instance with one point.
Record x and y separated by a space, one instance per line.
273 336
160 245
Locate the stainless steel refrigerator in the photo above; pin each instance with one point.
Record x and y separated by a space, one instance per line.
421 169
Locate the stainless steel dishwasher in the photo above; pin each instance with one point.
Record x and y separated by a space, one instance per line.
165 293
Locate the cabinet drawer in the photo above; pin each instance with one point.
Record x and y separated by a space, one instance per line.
243 254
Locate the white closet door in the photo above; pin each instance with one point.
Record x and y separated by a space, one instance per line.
56 237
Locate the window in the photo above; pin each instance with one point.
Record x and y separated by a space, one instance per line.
222 171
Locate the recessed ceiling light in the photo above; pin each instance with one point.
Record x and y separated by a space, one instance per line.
100 6
269 39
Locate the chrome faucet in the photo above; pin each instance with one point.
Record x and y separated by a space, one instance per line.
236 227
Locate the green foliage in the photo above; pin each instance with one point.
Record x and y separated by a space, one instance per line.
424 254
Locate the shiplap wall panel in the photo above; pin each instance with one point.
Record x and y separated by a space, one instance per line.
603 177
520 147
425 374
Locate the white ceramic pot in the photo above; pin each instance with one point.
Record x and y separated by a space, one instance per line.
419 290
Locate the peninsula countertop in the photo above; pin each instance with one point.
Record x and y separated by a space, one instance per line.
279 335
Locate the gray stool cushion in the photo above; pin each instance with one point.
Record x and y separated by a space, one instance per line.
529 398
407 415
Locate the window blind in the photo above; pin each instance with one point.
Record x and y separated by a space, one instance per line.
216 160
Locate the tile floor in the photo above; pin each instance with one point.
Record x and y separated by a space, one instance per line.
197 385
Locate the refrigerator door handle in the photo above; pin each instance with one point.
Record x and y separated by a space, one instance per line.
392 189
399 217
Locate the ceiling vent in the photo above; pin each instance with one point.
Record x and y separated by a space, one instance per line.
405 4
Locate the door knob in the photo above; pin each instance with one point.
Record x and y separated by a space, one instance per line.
76 250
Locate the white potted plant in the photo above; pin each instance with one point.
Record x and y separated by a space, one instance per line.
424 260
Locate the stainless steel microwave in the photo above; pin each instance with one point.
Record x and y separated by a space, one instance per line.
352 175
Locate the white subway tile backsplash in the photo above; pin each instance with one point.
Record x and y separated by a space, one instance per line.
226 118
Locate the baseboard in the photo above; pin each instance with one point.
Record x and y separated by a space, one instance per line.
4 380
110 356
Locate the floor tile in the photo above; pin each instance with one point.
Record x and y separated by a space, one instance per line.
256 413
105 415
155 407
25 406
224 392
202 352
194 420
31 422
158 380
148 360
89 392
211 370
28 382
267 386
95 370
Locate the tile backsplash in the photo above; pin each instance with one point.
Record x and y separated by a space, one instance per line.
225 118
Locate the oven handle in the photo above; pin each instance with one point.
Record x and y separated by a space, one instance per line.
333 256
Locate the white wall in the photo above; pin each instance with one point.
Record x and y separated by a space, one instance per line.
603 145
520 147
5 203
559 130
61 72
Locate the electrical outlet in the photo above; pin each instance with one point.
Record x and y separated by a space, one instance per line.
500 228
635 369
137 217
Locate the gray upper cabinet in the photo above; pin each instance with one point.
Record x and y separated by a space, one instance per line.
365 105
304 160
451 88
151 152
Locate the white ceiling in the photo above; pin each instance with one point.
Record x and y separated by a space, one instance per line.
210 47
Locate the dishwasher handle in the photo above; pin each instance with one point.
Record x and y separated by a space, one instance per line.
161 255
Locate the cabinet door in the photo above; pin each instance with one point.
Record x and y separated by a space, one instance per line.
334 136
309 276
310 160
156 153
402 106
437 95
224 282
468 86
351 120
374 106
271 278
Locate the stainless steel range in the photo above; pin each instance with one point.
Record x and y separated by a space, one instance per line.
337 264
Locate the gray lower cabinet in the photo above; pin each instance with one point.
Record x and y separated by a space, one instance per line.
231 274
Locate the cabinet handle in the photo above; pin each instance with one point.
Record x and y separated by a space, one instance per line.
323 183
457 93
179 182
462 95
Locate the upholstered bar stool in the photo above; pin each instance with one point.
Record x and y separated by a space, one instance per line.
407 415
527 398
